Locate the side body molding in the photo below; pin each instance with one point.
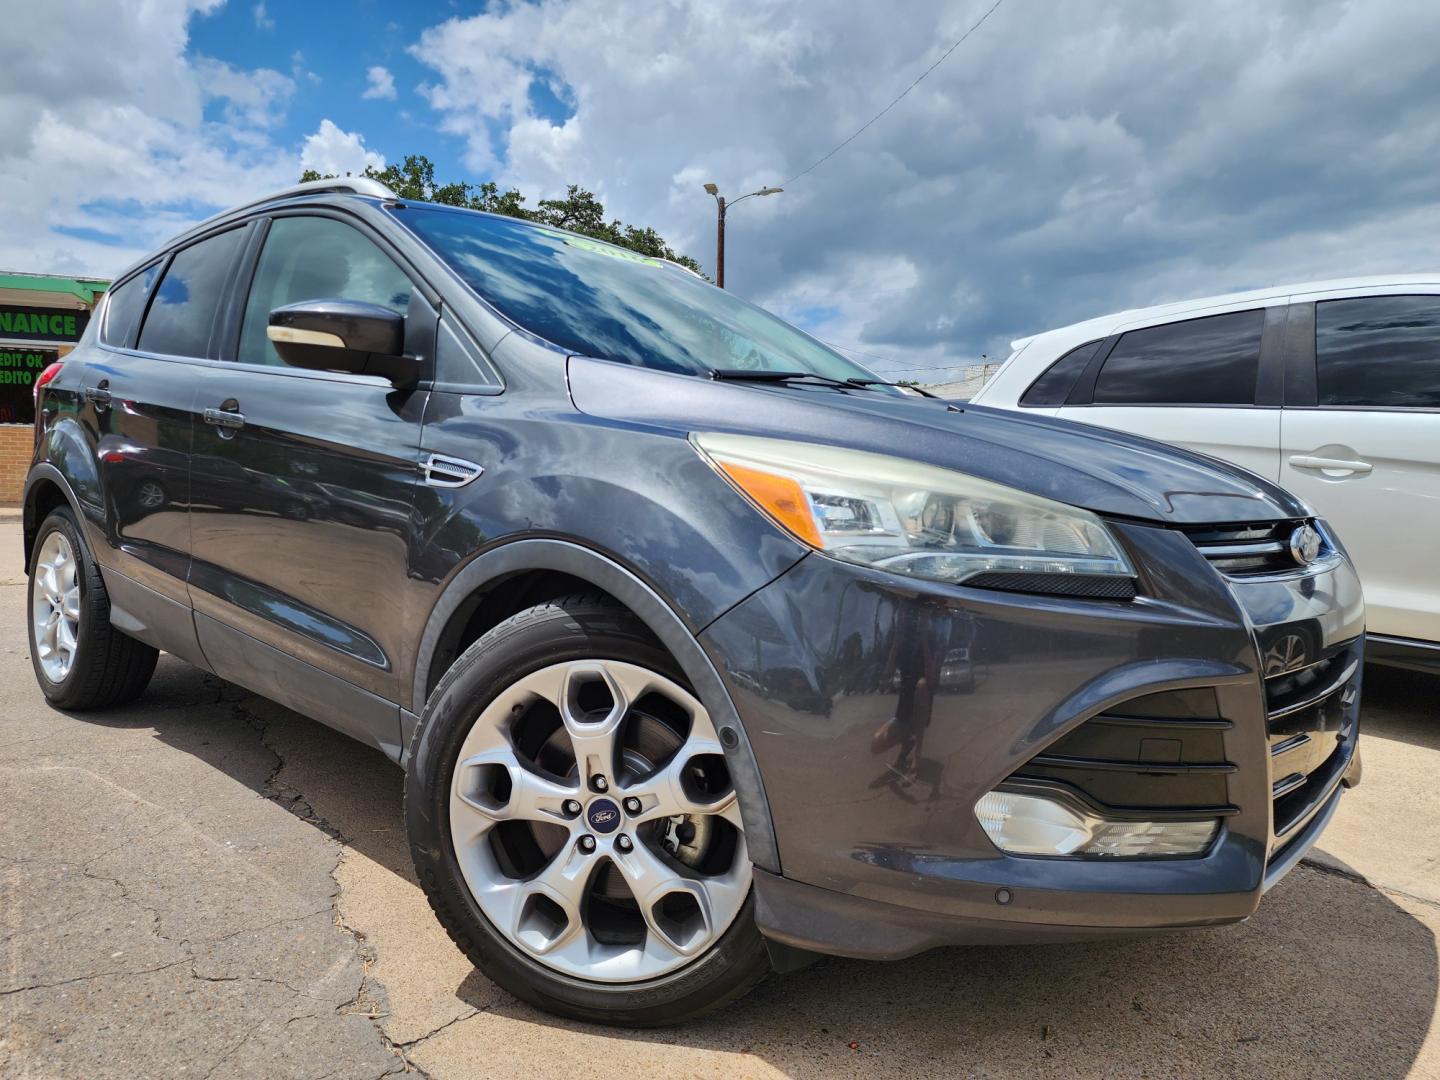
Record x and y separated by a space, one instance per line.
564 557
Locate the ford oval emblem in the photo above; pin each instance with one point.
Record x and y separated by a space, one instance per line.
1305 545
603 816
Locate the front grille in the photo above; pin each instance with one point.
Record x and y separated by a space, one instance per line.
1246 550
1158 757
1311 733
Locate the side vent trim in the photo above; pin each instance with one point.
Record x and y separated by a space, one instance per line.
442 471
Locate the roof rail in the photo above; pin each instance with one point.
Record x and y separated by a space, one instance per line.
356 185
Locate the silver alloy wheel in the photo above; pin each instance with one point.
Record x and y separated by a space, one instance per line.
55 606
605 813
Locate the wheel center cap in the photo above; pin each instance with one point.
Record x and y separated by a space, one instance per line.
603 816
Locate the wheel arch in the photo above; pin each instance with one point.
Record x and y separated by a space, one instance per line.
567 562
45 489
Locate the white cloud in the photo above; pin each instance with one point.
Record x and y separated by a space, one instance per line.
262 18
381 84
332 151
1051 169
130 139
250 98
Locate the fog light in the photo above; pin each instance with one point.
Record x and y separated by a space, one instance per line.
1034 825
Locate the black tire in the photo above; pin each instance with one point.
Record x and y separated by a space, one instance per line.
572 628
109 668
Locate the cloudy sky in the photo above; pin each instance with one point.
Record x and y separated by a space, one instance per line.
1069 159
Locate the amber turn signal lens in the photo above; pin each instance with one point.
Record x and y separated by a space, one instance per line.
780 497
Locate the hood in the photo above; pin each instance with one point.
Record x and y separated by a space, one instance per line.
1101 470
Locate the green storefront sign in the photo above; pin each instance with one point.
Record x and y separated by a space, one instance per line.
42 324
19 368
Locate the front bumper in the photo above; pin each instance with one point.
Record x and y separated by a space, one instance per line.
880 710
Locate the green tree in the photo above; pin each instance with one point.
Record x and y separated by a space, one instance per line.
579 211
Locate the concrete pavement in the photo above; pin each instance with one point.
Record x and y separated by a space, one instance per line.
205 884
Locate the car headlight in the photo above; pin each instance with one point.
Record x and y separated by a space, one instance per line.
910 518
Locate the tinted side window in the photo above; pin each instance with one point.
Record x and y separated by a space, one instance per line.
1053 387
1378 350
122 310
315 258
188 296
1211 361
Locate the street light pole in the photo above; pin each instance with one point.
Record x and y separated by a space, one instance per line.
721 206
720 242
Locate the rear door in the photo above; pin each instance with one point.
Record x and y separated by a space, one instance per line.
1361 444
138 399
1211 384
303 487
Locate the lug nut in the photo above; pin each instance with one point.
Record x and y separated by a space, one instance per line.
599 783
587 844
632 805
623 842
572 807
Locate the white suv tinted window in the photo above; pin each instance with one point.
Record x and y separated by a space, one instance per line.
1378 350
1053 387
180 317
1210 361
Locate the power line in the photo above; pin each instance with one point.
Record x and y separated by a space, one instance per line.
857 352
923 367
976 26
947 367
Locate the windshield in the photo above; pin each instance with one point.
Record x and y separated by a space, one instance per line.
595 299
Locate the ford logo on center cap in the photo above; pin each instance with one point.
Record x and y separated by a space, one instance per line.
1305 545
603 815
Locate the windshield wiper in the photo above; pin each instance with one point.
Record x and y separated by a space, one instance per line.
898 386
762 375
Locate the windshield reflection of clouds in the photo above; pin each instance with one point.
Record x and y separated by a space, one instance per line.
596 300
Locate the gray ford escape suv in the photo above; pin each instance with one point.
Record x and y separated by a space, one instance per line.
703 650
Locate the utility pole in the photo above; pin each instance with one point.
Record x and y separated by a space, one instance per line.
720 242
721 206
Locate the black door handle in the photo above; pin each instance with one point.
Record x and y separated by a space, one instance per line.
99 394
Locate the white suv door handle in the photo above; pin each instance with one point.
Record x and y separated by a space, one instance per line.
1305 461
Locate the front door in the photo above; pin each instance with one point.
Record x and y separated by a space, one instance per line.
303 483
1364 450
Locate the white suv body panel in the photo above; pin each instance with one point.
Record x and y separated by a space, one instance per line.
1372 472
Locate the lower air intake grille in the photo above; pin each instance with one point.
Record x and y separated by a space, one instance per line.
1160 756
1311 734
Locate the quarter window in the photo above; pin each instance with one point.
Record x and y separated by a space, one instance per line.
1210 361
1054 386
1378 351
315 258
127 301
183 311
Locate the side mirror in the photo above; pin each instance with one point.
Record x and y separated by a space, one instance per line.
343 335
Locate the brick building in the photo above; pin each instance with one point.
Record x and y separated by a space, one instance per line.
41 318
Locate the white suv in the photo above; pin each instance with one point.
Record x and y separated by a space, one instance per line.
1330 388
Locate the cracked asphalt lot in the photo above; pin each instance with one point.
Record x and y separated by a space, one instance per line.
207 885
